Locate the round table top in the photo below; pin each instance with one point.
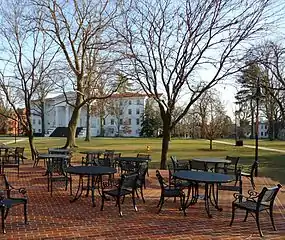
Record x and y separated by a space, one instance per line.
48 155
211 160
132 159
91 170
204 177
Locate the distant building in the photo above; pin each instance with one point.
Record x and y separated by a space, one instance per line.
122 116
263 130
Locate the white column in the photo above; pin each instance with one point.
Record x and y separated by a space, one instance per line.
66 115
56 116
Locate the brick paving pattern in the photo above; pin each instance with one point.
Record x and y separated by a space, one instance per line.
56 218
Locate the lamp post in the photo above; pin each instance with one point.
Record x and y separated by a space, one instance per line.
257 97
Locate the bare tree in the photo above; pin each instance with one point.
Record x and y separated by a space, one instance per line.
215 118
77 27
170 43
27 57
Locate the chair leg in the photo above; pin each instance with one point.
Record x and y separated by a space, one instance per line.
25 213
142 194
134 201
252 182
102 201
246 215
271 217
119 206
233 215
258 224
182 203
161 204
70 185
3 219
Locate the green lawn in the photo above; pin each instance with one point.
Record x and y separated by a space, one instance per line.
272 164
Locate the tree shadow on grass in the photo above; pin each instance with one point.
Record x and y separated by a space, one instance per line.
213 150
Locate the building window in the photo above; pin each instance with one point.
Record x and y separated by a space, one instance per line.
39 130
265 126
130 121
138 121
121 103
138 102
34 121
104 123
112 121
138 111
121 111
130 102
130 111
262 134
121 121
261 126
39 121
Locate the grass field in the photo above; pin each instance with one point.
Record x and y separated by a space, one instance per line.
272 164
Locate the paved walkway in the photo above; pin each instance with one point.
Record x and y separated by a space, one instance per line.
17 140
250 146
56 218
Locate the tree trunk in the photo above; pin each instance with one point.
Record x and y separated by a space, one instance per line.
165 145
87 137
72 125
31 143
43 118
211 144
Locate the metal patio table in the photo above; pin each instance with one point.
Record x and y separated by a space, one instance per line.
210 180
90 171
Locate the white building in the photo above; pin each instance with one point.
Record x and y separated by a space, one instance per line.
122 115
263 130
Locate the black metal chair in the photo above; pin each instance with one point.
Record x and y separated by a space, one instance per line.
229 167
250 175
127 186
197 166
256 203
233 187
56 172
142 171
147 156
12 159
9 199
169 191
38 158
179 164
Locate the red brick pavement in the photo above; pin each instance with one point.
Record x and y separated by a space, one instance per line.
56 218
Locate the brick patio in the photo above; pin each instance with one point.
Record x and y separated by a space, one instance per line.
56 218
